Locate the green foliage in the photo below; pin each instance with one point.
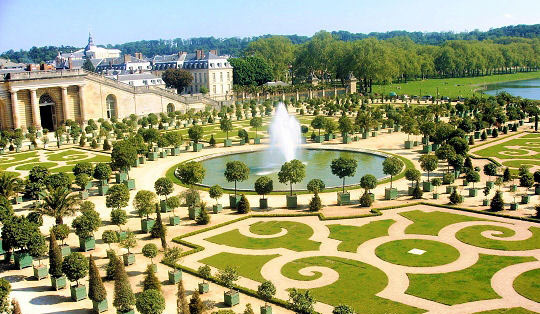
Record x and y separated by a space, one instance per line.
191 197
109 237
36 246
343 167
144 202
18 233
365 200
96 289
5 289
75 266
266 290
392 166
368 182
343 309
60 232
106 145
250 70
159 231
110 268
455 198
203 218
191 172
82 180
412 175
102 171
315 186
129 241
119 217
243 205
55 257
417 192
177 78
315 203
448 178
506 175
163 186
236 171
301 302
205 272
264 185
292 172
58 180
228 276
472 176
124 299
497 203
6 210
318 123
150 302
151 282
117 196
429 162
150 250
215 191
172 255
195 133
123 155
86 224
196 305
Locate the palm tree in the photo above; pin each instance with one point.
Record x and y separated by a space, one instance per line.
59 203
10 185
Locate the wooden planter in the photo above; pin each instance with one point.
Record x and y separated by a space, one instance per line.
263 203
292 201
129 259
174 220
231 297
164 207
100 306
390 194
227 143
193 212
217 208
78 292
344 198
58 283
233 201
87 244
427 186
175 276
147 225
22 260
41 271
204 287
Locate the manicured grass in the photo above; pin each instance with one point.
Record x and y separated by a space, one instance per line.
16 163
505 149
466 285
248 266
357 285
472 235
62 169
437 253
95 158
452 87
431 223
296 238
518 163
351 236
10 157
31 165
528 285
67 155
514 310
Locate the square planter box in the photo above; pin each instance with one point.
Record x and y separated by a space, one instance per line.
129 259
147 224
490 184
365 135
397 128
65 249
319 138
136 163
374 133
175 151
121 177
424 140
103 189
513 188
152 156
197 147
121 235
41 272
22 260
450 189
408 144
488 131
142 160
99 307
485 202
231 297
83 194
87 244
174 220
204 287
347 139
266 309
193 212
58 283
227 143
233 201
427 186
156 149
154 267
427 149
257 140
78 292
344 198
525 199
163 154
130 184
292 201
164 207
415 143
328 137
390 194
537 190
390 130
473 192
465 183
242 142
513 206
175 276
17 200
263 203
217 208
2 251
435 196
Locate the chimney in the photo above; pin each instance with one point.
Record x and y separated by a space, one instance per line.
70 63
199 54
127 58
214 52
138 55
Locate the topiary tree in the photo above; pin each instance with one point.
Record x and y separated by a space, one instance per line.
205 272
123 155
109 237
82 180
117 196
55 258
429 162
203 218
86 224
473 176
392 166
195 133
292 172
455 198
225 124
412 175
96 292
150 251
497 203
266 291
228 276
190 173
344 167
5 289
151 282
150 302
182 304
102 172
315 203
490 170
110 268
37 247
264 185
256 122
159 230
124 299
119 218
129 241
163 187
315 186
83 167
145 203
243 205
61 232
173 203
368 182
236 171
196 306
75 266
215 192
318 123
301 302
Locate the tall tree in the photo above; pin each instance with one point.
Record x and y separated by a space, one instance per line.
177 78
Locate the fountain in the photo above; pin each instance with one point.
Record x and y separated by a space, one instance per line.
285 136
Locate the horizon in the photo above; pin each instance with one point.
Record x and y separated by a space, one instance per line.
71 29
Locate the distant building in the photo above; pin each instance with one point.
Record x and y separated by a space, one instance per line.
139 79
209 70
127 63
75 59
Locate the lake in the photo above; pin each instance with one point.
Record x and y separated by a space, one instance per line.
525 88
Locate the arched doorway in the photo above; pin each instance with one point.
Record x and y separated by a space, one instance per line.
170 108
111 106
47 112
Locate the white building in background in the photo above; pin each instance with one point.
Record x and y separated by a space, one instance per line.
75 59
139 79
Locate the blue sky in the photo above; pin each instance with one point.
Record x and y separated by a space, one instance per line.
27 23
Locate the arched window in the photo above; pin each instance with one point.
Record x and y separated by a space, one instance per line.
170 108
45 99
111 106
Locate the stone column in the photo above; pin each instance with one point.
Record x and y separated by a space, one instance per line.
65 103
81 103
36 119
14 113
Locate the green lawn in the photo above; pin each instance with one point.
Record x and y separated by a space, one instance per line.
351 236
95 158
10 158
452 87
68 155
431 223
467 285
528 285
296 238
437 253
472 235
248 266
4 166
357 285
31 165
514 310
506 150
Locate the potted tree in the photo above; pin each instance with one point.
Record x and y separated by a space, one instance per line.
391 166
263 186
191 173
175 140
129 243
150 301
124 299
436 182
205 273
256 122
163 187
119 218
192 200
428 163
61 233
195 134
85 225
473 176
171 257
150 251
344 167
109 237
102 172
75 266
490 170
117 197
227 277
96 290
345 126
216 192
329 127
526 180
144 202
19 235
537 182
266 291
123 157
485 202
235 171
58 280
225 124
173 203
82 180
318 123
292 172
